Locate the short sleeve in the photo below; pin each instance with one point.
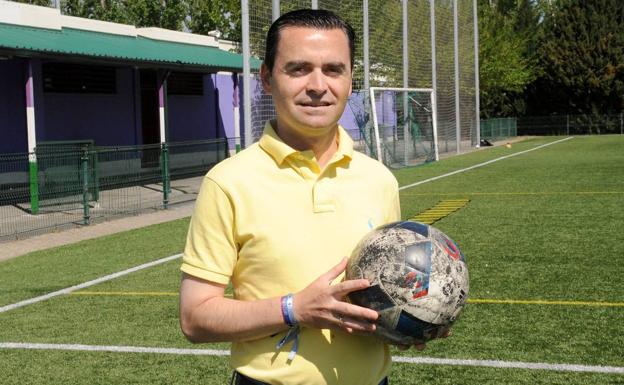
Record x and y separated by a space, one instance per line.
393 209
210 252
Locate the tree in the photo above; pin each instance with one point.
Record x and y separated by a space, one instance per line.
220 15
197 16
45 3
506 66
582 56
168 14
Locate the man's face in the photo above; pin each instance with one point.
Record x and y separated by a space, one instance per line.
311 79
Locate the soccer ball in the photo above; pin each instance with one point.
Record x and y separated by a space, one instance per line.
419 280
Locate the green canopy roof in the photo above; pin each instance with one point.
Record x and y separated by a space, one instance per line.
112 47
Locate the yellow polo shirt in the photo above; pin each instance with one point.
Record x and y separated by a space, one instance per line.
269 221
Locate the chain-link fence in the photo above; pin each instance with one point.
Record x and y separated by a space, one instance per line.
408 44
499 128
571 125
76 183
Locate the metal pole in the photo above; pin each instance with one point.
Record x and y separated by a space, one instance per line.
377 136
236 106
434 77
164 154
314 4
456 56
246 74
406 121
275 7
365 45
162 105
31 135
434 124
476 69
84 159
621 124
567 124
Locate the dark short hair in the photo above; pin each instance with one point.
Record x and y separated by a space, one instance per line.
310 18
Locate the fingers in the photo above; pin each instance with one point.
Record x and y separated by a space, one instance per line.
359 313
323 305
335 271
343 288
354 325
420 347
445 333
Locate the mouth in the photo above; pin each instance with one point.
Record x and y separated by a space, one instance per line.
315 104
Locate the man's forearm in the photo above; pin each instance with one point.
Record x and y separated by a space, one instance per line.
225 319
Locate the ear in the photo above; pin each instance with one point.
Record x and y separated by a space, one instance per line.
265 77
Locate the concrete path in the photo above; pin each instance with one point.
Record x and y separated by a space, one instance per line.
11 249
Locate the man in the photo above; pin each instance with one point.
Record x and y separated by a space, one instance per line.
278 219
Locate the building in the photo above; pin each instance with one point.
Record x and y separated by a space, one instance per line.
90 107
66 78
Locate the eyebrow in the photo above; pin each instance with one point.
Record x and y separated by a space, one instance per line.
299 63
296 63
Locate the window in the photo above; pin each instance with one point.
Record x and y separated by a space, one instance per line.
79 79
185 83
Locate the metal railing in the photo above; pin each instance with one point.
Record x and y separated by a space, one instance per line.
61 186
498 128
571 125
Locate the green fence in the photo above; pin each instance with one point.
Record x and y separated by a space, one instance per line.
498 128
572 124
76 183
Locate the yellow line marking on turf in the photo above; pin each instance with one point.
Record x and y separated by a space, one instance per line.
132 293
520 193
126 293
474 301
542 302
440 210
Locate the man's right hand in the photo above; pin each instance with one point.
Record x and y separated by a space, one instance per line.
322 304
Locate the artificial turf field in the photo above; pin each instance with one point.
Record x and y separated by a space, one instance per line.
543 235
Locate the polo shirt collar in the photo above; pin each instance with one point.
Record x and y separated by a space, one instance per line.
275 146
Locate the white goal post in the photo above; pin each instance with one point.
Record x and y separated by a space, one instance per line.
413 99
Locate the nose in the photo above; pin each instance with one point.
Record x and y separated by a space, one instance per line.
316 82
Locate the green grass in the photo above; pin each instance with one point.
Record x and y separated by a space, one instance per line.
61 267
545 225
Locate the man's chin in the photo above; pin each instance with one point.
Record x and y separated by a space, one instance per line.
319 120
319 125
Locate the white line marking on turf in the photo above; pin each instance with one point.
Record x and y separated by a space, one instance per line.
511 365
409 360
114 349
482 164
87 284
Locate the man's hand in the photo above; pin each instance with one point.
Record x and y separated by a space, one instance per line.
321 305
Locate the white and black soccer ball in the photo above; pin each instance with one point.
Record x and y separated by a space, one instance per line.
419 280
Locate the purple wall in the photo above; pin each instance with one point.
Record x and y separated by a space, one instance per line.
13 136
193 117
225 92
107 119
348 120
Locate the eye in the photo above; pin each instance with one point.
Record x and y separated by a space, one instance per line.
334 71
297 70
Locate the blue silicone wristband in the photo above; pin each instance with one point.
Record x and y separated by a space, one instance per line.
287 310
